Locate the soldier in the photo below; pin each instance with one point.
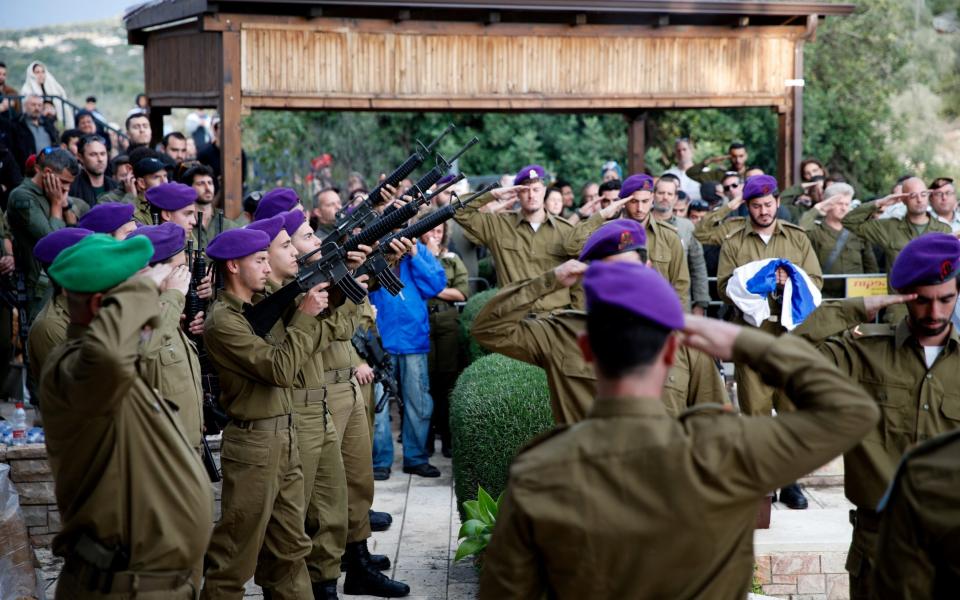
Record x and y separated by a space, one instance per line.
326 520
664 248
705 170
548 340
276 201
135 502
918 550
911 368
262 501
647 495
200 178
168 360
49 329
525 243
838 249
37 207
172 203
112 218
745 240
665 201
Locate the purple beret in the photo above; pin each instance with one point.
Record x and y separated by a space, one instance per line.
274 202
171 196
237 243
168 239
56 242
615 237
636 183
272 226
635 288
107 217
445 180
759 186
927 260
529 172
292 220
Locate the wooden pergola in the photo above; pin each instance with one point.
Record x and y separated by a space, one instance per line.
625 56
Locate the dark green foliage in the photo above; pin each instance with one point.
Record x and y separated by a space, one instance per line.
473 306
498 405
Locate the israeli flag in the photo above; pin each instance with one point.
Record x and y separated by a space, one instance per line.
752 283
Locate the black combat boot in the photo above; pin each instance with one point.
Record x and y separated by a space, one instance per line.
325 590
380 521
793 497
380 562
364 579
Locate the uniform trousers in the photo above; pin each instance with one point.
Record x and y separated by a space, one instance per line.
860 558
349 410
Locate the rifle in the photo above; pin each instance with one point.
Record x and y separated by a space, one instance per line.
377 265
363 213
197 263
370 348
13 293
331 267
208 463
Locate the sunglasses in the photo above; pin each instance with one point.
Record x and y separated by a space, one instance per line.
730 186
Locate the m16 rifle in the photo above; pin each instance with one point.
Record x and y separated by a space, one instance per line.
370 348
363 213
377 265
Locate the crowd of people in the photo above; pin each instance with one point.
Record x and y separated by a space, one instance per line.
591 289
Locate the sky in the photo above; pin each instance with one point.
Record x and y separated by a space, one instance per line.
16 14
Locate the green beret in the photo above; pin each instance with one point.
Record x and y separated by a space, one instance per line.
99 262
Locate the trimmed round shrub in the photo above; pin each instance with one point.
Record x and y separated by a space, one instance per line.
498 405
474 305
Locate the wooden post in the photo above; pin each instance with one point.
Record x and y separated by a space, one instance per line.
636 142
156 124
785 146
230 143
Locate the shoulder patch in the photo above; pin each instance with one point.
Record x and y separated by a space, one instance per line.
735 228
707 409
872 330
562 220
790 225
546 435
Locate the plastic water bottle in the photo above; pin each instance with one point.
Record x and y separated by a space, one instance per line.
19 425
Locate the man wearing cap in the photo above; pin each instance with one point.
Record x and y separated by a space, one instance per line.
664 247
911 368
917 549
37 207
523 244
148 173
134 500
262 502
632 504
549 340
49 329
171 203
757 237
111 218
665 199
168 360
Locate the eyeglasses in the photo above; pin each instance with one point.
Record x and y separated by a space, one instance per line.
730 186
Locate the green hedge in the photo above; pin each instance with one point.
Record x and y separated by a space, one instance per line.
474 305
497 406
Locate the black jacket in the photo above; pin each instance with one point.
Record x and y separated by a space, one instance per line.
24 145
81 188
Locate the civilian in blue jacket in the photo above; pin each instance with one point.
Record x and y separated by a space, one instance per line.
404 325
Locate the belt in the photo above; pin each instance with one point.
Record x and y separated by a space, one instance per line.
338 375
869 520
441 307
269 424
310 397
123 582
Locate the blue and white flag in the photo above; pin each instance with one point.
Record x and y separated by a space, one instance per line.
752 283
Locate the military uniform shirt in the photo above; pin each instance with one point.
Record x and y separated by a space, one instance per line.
124 470
856 256
631 503
48 331
28 214
549 341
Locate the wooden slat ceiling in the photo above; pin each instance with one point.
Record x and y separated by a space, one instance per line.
601 12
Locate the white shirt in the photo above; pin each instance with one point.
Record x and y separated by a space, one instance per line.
930 354
688 185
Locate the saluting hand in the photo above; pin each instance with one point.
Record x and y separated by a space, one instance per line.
613 209
712 336
569 272
316 300
874 304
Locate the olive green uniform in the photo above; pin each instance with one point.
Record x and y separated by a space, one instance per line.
445 360
520 252
169 363
262 499
119 195
664 249
918 551
855 257
7 348
742 245
124 470
632 504
916 403
549 340
324 483
48 331
348 407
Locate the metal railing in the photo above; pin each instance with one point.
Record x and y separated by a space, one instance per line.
62 105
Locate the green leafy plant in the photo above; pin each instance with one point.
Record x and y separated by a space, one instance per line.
478 529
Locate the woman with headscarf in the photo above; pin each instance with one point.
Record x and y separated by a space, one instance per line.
42 83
